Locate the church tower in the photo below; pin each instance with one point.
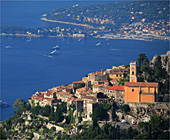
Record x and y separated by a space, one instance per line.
133 77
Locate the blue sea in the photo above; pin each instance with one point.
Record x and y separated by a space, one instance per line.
27 67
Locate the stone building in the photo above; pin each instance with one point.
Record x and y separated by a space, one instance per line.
116 92
95 76
140 91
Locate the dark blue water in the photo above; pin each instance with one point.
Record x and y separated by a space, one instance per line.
26 67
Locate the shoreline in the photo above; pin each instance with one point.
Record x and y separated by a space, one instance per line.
25 35
64 22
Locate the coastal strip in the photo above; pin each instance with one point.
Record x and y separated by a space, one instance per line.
64 22
34 35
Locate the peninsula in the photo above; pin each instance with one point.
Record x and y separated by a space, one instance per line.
138 20
124 102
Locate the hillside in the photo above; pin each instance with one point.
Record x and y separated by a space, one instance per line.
115 15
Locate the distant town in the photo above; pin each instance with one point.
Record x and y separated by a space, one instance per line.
139 20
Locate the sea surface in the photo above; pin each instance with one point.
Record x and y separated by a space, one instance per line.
27 66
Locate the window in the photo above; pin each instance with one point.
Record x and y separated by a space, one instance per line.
110 91
132 72
132 90
116 75
120 75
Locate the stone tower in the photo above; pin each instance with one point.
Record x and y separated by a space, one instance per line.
133 74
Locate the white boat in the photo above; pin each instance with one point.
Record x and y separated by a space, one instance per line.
79 40
56 47
98 44
53 51
28 40
7 47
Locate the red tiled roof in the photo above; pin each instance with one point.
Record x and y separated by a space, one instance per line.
101 85
89 97
84 93
58 87
115 87
81 89
65 93
97 72
141 84
49 99
117 73
102 99
50 92
76 82
43 92
37 98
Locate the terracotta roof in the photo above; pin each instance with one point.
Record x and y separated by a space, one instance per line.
84 93
101 85
37 98
48 99
50 92
97 72
76 82
65 93
115 87
89 97
116 73
141 84
58 87
81 89
102 98
43 92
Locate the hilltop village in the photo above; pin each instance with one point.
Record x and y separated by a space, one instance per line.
96 88
110 99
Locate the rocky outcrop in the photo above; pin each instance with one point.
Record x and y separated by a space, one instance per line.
165 59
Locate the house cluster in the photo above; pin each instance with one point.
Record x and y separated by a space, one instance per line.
96 87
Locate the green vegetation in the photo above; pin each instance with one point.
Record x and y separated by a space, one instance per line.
125 108
154 72
81 85
113 15
154 129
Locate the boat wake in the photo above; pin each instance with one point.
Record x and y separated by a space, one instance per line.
50 56
114 49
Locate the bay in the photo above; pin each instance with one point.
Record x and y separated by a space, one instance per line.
26 67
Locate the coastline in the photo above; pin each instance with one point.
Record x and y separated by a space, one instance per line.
64 22
33 35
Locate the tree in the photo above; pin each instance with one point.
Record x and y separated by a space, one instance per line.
52 115
166 98
18 103
125 108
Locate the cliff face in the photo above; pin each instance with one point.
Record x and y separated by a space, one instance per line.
142 111
165 59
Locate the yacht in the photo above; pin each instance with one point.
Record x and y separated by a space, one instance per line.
53 51
56 47
98 44
7 47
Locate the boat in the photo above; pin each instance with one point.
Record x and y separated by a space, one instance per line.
7 47
53 51
28 40
98 44
4 104
56 47
79 40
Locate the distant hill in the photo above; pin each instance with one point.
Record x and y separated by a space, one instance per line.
115 15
